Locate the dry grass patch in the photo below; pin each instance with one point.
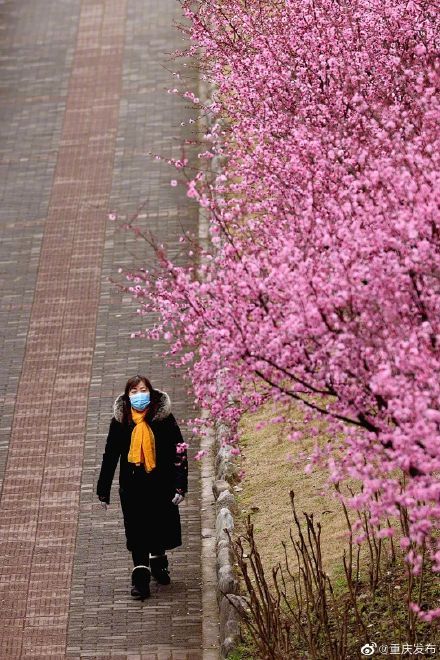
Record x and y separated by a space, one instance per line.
368 606
271 472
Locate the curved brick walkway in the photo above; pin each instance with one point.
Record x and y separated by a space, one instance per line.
82 101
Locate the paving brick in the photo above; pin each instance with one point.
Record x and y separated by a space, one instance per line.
84 101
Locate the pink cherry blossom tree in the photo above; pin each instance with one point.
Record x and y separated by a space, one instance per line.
321 284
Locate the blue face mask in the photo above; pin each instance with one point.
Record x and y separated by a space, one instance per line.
140 400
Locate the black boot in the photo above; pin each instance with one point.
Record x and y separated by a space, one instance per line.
140 580
159 569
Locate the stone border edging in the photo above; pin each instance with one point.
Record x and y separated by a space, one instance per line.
210 624
210 621
228 599
219 474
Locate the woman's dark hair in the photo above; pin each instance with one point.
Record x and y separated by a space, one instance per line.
154 398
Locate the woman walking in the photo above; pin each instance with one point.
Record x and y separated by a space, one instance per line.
153 478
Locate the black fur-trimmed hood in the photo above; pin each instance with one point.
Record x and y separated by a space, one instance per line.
163 410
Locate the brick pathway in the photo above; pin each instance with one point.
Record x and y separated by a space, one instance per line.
82 101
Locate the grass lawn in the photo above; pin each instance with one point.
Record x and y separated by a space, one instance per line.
271 472
273 467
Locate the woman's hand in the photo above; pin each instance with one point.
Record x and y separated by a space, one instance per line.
103 503
178 498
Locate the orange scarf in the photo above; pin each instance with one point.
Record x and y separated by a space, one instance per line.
142 446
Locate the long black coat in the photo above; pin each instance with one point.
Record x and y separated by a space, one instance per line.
151 520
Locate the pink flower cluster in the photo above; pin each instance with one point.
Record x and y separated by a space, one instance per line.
181 447
322 285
